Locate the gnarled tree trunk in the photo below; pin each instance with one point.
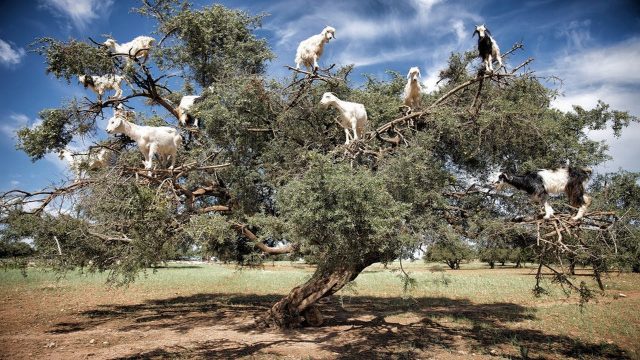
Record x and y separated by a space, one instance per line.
298 306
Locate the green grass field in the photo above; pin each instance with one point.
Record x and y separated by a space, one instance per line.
503 296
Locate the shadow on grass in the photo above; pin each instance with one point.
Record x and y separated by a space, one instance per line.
176 267
363 327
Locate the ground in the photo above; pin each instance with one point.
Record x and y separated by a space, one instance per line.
208 311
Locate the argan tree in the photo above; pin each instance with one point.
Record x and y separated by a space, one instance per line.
267 173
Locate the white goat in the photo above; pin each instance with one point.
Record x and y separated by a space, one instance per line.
163 141
488 48
100 84
94 160
413 89
542 183
138 47
186 103
311 49
352 115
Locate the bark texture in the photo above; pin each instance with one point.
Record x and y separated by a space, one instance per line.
298 308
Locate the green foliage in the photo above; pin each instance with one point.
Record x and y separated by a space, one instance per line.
290 180
52 134
450 249
620 192
67 60
213 43
15 249
340 215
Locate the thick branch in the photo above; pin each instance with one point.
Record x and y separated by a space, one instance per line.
242 229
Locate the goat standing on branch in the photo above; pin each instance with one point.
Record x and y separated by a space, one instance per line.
542 183
352 115
413 89
311 49
136 48
488 48
100 84
161 140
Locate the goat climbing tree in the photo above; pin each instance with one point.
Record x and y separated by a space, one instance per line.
267 173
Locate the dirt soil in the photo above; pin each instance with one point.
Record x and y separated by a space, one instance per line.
55 323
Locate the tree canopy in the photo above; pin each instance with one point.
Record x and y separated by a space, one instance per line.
267 173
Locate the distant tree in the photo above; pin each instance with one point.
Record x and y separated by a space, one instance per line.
268 173
450 251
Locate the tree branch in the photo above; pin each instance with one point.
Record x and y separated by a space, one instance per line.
242 229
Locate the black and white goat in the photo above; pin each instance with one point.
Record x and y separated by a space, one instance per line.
542 183
488 48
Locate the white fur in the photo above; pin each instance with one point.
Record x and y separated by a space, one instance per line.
102 84
550 182
163 141
310 50
554 180
413 89
352 115
94 160
185 104
138 47
488 59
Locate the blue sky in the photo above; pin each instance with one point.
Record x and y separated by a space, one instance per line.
594 46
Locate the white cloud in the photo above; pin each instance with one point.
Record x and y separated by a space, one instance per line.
13 123
9 55
407 31
576 33
617 64
80 12
611 74
460 31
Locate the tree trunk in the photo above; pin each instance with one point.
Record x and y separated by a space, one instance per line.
492 264
298 306
572 264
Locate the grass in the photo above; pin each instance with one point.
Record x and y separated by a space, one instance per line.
604 321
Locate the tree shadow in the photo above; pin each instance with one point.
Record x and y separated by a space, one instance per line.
362 327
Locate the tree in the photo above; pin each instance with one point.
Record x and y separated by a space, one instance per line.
620 192
268 174
452 251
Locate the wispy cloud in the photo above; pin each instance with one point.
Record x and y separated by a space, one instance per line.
14 122
611 74
10 55
576 33
384 33
81 13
